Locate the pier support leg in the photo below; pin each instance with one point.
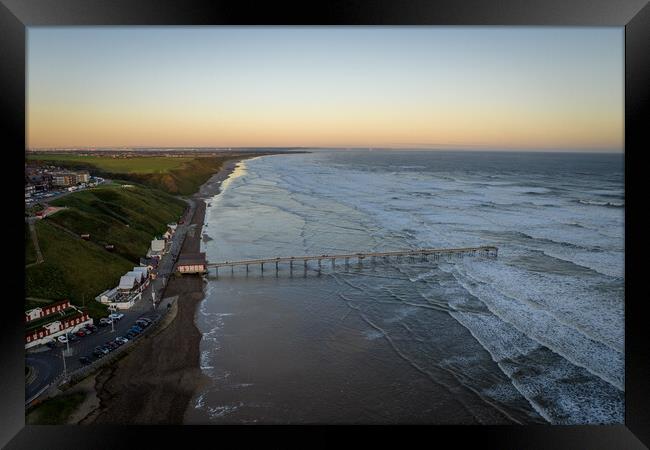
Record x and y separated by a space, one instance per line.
262 266
333 263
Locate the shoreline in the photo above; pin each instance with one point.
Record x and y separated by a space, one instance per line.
156 381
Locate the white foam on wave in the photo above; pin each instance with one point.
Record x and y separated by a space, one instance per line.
548 328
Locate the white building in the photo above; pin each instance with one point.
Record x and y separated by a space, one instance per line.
107 296
157 248
144 270
127 284
54 329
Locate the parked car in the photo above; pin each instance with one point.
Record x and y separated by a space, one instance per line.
116 316
137 328
142 323
100 351
51 344
87 330
130 335
111 346
84 360
73 337
62 339
81 333
91 327
106 320
134 331
121 339
103 324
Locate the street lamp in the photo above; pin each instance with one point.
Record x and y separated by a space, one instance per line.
65 370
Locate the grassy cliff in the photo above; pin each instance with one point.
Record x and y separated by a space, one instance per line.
127 217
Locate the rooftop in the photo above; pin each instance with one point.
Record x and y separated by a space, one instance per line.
192 258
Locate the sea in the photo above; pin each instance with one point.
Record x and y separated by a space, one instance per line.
535 335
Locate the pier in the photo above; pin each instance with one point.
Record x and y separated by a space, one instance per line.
423 254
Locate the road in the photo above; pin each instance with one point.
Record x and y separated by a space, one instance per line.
45 200
48 363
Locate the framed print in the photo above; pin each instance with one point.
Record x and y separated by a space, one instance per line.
360 213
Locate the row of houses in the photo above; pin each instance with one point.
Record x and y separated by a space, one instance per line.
49 322
44 311
43 179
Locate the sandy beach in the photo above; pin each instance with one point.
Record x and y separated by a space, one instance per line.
154 383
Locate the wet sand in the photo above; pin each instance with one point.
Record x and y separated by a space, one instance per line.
154 383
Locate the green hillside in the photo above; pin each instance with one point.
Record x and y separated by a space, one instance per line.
30 251
126 217
79 270
73 269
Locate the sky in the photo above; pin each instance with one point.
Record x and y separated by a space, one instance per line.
495 88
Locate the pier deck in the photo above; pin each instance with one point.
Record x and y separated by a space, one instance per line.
423 253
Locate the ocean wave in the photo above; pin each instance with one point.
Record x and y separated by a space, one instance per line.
601 203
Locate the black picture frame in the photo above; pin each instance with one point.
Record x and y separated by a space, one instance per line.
634 15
